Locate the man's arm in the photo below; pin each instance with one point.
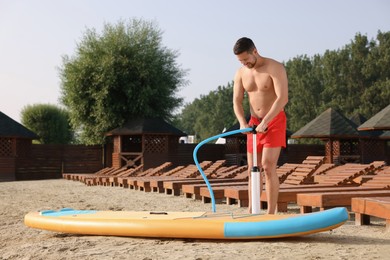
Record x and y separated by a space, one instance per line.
279 78
238 97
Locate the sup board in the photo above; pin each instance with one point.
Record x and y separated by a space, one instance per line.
196 225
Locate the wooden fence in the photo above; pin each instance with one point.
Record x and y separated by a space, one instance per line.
50 161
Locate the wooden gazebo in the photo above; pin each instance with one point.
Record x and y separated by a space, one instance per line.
15 142
377 125
340 134
146 141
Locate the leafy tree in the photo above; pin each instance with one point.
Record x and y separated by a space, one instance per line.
123 73
304 83
210 114
49 122
353 79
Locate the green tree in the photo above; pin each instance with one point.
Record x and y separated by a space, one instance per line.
377 96
353 79
49 122
304 90
210 114
123 73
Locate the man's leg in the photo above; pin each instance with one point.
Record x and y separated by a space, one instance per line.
269 163
250 165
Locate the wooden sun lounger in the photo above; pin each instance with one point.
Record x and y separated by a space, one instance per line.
239 195
382 178
131 181
193 190
235 174
102 179
76 176
113 180
374 206
285 170
137 173
349 174
174 187
219 193
155 183
287 196
325 200
304 172
92 179
128 182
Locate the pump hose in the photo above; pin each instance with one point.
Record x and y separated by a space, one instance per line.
249 129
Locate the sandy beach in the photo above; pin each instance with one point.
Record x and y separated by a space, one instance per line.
20 242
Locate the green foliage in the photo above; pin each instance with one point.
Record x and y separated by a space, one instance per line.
353 79
120 74
49 122
210 114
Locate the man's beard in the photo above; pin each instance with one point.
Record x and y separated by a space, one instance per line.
251 65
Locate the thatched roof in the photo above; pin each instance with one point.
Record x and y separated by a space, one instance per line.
329 124
146 126
380 121
11 128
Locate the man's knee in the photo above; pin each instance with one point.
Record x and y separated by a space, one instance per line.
269 167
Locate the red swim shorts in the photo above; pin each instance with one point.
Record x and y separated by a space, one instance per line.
274 137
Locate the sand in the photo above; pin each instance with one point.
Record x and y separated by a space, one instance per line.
20 242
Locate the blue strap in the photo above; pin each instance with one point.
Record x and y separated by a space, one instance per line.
249 129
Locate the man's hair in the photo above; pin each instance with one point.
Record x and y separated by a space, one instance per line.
243 44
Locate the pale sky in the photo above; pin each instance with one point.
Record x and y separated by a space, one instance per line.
35 34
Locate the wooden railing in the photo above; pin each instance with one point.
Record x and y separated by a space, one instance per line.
132 159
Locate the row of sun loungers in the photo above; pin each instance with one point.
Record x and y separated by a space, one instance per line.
311 184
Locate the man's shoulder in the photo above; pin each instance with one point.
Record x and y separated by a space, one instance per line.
273 62
275 66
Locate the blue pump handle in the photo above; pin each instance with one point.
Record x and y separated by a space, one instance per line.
249 129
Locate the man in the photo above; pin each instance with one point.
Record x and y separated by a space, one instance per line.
265 82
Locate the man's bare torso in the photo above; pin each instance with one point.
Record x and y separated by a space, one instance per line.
258 84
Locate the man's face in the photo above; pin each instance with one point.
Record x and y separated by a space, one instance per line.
247 59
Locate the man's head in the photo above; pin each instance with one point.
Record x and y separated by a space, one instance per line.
245 50
243 44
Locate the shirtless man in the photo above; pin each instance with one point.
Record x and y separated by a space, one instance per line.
265 82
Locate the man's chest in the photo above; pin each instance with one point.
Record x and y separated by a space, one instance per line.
255 81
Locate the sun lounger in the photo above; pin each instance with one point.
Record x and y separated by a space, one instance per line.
137 173
219 193
113 180
174 187
76 176
110 172
155 183
380 179
193 190
304 172
127 182
97 179
374 206
324 200
287 196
